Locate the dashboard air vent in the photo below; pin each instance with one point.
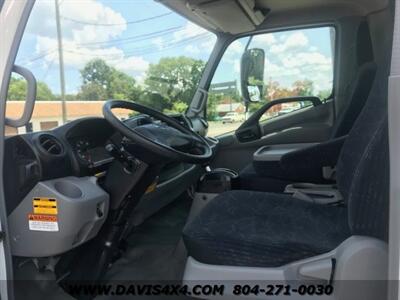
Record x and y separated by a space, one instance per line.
50 144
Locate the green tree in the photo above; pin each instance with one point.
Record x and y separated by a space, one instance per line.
212 102
324 95
121 85
92 91
175 79
17 90
44 92
102 82
178 107
96 71
303 87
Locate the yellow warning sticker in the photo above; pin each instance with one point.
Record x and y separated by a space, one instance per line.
46 206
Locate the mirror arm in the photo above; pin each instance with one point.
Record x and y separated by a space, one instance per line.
248 43
30 98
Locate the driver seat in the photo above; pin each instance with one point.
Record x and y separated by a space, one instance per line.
268 236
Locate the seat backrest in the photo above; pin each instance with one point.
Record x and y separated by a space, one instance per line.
363 165
358 96
361 85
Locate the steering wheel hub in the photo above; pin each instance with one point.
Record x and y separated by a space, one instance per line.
165 138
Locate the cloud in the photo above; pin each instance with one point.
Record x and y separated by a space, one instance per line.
264 40
293 41
158 41
133 64
209 44
189 30
292 58
306 58
77 57
236 66
192 49
297 39
236 47
43 28
42 21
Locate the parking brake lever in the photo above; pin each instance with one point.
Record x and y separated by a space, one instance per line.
129 162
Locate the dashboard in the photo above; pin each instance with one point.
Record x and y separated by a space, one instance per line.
74 149
88 141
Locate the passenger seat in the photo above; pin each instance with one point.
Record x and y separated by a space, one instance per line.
306 164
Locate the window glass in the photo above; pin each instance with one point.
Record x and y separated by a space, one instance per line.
112 49
297 63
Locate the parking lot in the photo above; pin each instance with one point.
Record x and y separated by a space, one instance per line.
217 128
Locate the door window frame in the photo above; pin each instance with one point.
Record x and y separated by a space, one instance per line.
225 40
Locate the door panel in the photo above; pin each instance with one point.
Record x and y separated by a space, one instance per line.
276 66
308 125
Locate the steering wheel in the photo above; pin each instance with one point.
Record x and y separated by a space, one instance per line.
168 139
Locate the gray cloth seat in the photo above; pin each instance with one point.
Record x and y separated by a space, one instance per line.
255 229
358 93
316 155
244 228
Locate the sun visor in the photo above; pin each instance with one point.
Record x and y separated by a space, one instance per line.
228 16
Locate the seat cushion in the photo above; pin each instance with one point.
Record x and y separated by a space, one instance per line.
256 229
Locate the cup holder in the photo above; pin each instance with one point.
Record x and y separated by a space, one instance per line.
68 189
218 180
228 172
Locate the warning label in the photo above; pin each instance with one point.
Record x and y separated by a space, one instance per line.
46 206
43 222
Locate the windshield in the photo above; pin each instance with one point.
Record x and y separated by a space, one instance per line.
131 50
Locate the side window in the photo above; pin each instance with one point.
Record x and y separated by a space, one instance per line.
297 63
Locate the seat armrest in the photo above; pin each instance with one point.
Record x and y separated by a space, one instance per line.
317 156
276 152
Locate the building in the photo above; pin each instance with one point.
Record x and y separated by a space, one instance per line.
48 114
224 108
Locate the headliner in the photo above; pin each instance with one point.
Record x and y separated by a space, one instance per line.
280 11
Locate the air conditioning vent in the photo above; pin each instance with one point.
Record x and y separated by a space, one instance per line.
50 144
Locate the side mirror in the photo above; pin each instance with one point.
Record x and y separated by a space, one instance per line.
252 74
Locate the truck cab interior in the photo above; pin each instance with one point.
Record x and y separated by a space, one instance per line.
301 196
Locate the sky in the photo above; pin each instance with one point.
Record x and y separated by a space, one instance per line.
132 34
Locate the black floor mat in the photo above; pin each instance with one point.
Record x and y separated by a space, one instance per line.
155 252
165 227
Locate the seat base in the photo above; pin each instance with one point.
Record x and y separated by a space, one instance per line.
360 272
